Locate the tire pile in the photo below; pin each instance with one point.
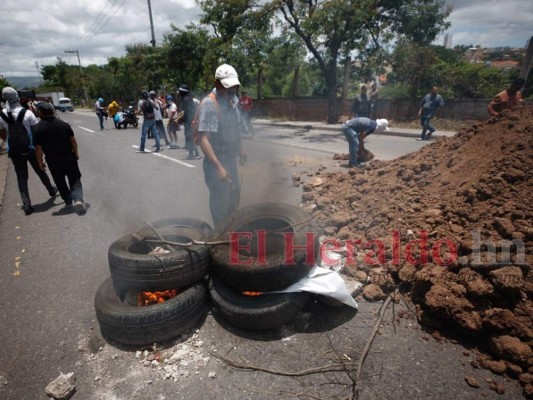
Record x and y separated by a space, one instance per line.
234 285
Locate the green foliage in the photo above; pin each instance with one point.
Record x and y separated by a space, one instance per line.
3 82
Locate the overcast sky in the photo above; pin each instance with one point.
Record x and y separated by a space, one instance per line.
40 31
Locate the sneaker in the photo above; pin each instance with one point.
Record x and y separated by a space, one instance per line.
80 207
140 151
158 150
189 157
419 139
28 209
198 157
52 192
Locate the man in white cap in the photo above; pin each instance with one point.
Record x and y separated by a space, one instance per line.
20 148
356 130
220 140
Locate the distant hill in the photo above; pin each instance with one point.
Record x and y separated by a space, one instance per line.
21 82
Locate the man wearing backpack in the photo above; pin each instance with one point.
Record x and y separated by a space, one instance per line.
218 125
15 128
147 106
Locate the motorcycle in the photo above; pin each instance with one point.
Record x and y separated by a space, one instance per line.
130 118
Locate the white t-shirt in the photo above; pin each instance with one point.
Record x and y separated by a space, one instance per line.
29 119
157 112
172 111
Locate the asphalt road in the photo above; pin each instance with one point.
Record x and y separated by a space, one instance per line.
53 262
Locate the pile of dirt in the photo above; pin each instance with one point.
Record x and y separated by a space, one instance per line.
451 226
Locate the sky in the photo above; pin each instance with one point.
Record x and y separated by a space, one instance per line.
35 33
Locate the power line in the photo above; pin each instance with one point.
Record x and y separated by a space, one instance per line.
99 21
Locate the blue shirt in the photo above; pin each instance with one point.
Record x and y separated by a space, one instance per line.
361 125
430 104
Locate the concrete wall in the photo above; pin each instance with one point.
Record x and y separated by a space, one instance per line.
316 109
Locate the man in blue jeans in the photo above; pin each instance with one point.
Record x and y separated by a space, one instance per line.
147 107
220 139
428 108
355 130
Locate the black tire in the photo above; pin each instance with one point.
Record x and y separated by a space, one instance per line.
127 323
255 313
275 273
132 268
135 124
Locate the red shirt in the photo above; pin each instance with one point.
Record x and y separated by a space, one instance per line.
246 103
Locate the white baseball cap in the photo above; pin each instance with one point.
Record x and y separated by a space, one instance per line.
227 75
383 124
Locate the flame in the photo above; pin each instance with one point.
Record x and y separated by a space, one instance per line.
252 293
149 298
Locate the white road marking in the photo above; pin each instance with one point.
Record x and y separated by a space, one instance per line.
166 157
88 130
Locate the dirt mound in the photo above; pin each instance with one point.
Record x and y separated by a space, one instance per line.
450 225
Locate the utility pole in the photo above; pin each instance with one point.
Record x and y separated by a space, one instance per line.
39 72
151 24
81 75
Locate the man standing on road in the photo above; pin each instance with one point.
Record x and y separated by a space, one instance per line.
159 118
55 138
507 99
100 111
428 108
220 140
147 107
189 109
373 98
11 114
361 104
173 124
356 130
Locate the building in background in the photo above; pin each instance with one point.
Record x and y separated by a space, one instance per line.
447 43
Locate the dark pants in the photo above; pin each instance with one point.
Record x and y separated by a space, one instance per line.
66 168
21 169
426 127
162 132
101 119
224 197
189 141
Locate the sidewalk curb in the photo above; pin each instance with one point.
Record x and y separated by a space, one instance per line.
337 128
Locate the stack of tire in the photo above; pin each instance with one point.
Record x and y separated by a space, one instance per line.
134 270
236 285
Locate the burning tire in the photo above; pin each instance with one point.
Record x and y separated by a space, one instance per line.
267 265
256 312
128 323
132 268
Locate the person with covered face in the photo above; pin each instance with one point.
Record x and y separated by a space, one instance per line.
188 108
220 140
21 158
356 130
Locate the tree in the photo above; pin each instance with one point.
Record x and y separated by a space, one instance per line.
334 28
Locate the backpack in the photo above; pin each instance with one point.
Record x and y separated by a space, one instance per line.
148 109
195 121
18 139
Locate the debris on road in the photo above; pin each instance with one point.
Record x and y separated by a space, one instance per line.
452 225
63 387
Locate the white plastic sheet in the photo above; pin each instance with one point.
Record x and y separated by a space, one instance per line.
324 281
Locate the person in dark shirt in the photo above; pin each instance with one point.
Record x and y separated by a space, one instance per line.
55 138
361 106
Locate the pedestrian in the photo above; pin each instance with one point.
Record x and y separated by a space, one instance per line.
373 98
188 107
428 108
173 125
159 118
507 99
356 130
100 111
361 104
20 148
220 140
147 107
55 139
112 110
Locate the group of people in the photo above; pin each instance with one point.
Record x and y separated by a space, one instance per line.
30 138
